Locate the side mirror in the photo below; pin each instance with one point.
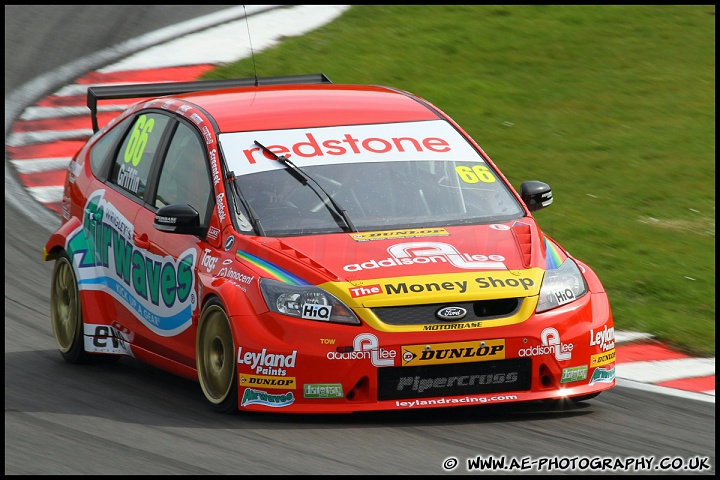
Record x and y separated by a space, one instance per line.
178 218
536 195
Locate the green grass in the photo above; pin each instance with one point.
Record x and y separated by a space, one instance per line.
613 106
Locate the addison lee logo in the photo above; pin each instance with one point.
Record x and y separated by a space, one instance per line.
418 253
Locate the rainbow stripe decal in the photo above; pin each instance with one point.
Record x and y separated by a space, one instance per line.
270 270
553 259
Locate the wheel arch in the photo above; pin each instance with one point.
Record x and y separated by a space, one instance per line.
234 300
57 241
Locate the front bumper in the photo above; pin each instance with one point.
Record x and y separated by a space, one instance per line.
301 366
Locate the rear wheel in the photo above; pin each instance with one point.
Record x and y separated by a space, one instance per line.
65 311
217 370
67 317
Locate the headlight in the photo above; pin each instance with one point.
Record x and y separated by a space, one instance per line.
308 302
561 286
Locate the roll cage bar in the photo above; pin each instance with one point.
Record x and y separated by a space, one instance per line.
174 88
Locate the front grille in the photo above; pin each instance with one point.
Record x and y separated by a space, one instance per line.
425 314
395 383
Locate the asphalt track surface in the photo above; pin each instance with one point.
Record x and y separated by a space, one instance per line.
132 419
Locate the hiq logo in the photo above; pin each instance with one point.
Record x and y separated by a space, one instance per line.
564 296
313 311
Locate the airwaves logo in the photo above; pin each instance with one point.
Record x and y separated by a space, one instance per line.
261 397
160 291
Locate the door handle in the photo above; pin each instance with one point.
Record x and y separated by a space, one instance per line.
141 240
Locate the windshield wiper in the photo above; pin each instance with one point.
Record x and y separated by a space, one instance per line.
305 179
245 224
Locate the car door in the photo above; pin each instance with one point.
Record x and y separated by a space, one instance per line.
182 177
120 254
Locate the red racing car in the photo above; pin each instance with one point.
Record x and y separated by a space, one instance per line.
300 246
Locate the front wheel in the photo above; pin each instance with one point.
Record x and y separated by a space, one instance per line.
216 367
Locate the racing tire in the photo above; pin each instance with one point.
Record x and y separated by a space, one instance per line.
66 312
215 357
67 318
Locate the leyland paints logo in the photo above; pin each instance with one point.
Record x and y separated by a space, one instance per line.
420 253
605 338
267 363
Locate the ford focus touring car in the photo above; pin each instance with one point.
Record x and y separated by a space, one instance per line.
300 246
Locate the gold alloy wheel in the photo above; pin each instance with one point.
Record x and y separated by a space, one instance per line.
216 356
65 306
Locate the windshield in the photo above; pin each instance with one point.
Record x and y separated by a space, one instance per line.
379 177
378 196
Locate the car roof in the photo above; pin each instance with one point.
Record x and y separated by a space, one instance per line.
299 106
271 103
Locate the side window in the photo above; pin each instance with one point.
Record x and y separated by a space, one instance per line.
101 149
184 177
132 164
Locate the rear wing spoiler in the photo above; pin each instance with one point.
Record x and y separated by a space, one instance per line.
175 88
